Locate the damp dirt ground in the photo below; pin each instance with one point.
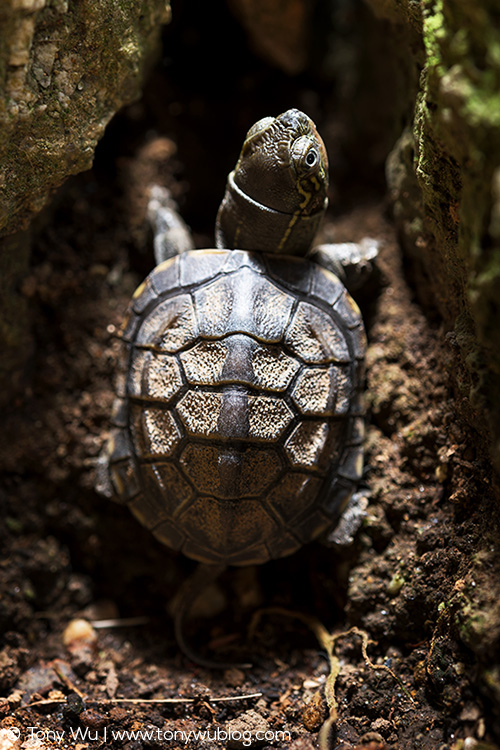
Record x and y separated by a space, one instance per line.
406 679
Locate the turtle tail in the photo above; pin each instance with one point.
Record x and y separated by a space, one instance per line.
202 577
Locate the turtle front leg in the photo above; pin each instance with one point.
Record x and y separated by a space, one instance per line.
171 234
352 262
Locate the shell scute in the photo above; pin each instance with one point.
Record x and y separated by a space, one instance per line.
166 275
195 269
213 524
143 296
154 431
348 309
326 286
230 473
290 272
314 336
170 326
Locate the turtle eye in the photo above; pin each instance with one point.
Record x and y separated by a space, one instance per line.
305 155
311 158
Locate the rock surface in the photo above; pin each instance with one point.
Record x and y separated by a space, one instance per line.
444 178
65 70
444 175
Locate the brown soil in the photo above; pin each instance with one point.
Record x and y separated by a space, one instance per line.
66 552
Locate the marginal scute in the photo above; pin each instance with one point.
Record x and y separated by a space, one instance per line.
312 525
357 408
119 415
129 326
236 259
253 554
121 385
143 296
335 496
135 372
165 277
292 272
357 432
168 533
215 525
348 309
326 286
314 337
344 391
358 338
124 479
119 445
284 544
293 495
230 473
351 464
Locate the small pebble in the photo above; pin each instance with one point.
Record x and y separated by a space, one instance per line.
234 677
245 727
79 633
9 739
310 684
35 743
93 719
118 714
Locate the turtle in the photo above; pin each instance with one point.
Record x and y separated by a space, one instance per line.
238 421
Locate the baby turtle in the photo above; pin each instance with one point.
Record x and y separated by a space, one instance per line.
238 424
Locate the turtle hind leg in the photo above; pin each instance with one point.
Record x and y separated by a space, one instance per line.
171 234
202 577
352 262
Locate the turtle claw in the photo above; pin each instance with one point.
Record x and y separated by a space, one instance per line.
102 484
343 534
352 262
171 234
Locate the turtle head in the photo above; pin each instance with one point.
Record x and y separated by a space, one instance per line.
276 195
283 164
